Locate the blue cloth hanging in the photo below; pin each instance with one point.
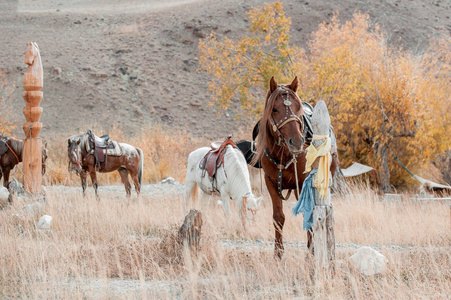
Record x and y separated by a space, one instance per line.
306 202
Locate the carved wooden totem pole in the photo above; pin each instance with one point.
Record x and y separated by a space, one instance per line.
33 81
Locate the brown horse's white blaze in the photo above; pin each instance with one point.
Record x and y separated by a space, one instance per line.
129 163
280 147
286 116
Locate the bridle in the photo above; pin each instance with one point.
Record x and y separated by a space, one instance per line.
253 211
289 117
78 157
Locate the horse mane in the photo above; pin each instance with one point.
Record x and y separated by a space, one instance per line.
83 137
264 131
237 172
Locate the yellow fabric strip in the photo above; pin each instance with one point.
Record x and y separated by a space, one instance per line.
323 154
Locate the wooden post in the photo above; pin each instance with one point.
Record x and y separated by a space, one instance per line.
33 81
323 214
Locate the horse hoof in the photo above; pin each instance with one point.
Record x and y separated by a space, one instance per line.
278 253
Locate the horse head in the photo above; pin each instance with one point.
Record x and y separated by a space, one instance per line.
250 205
30 53
74 153
282 117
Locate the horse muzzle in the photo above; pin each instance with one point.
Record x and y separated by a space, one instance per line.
295 145
77 168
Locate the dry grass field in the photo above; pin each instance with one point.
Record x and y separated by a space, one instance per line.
121 249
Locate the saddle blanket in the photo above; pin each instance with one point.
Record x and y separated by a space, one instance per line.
116 151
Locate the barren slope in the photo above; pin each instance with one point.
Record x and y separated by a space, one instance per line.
128 66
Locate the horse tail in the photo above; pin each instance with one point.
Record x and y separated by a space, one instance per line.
141 165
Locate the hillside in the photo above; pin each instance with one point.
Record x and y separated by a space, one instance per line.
109 65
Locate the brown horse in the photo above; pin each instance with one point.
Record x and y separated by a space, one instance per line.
82 159
13 156
280 147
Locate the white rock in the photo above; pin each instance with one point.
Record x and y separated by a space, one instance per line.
368 261
4 194
16 187
45 222
169 180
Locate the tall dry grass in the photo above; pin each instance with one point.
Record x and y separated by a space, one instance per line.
116 249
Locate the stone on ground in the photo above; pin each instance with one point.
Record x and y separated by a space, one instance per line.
4 195
368 261
45 222
16 187
169 180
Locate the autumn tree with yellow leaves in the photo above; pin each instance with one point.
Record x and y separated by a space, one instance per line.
381 99
6 125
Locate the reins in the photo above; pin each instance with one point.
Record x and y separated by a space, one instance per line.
282 167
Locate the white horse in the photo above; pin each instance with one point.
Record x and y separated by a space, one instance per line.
232 181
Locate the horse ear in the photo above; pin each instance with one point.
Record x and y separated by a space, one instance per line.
272 84
294 85
78 142
69 142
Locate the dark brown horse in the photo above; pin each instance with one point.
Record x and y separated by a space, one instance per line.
82 159
281 147
12 155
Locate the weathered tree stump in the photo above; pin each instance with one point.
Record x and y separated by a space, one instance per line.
323 213
190 232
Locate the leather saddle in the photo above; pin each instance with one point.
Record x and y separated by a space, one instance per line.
215 157
99 145
3 147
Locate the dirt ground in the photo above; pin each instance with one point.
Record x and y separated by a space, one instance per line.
107 63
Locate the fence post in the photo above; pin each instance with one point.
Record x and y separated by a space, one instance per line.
323 214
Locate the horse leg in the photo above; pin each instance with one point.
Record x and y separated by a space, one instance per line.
226 202
124 177
6 172
136 183
191 195
278 217
84 183
93 175
310 241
